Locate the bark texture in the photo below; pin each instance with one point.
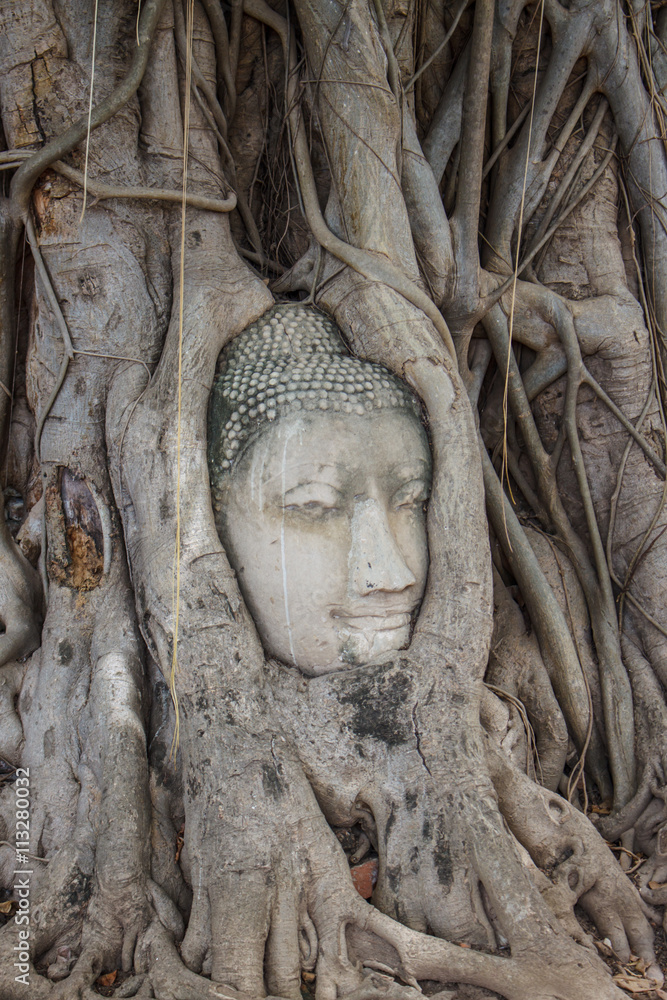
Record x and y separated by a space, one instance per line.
475 192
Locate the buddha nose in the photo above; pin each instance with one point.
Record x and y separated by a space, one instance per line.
376 562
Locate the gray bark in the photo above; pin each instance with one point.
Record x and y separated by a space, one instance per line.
140 725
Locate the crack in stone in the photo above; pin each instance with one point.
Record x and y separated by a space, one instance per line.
417 739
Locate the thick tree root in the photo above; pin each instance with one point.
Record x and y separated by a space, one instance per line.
583 871
272 891
351 932
517 668
20 600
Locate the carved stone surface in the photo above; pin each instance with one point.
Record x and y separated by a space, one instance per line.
320 470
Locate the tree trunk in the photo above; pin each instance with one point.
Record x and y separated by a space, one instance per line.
444 182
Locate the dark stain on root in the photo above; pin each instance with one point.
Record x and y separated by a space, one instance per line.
65 652
194 785
203 707
393 875
79 889
442 859
378 700
391 820
272 781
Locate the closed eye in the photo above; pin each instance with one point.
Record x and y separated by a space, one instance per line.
412 495
312 498
311 505
313 511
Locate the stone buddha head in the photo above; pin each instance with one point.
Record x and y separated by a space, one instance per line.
320 470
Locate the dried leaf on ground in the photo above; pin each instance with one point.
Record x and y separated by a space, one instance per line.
108 979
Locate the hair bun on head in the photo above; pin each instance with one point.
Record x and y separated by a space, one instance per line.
292 358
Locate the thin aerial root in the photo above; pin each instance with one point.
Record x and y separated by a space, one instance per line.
359 260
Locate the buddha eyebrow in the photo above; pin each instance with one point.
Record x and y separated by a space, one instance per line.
414 467
311 482
292 468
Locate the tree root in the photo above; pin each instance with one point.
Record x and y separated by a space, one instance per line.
516 666
374 268
562 841
351 932
351 935
556 644
272 889
167 978
20 600
645 815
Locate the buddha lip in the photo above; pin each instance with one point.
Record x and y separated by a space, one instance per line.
380 621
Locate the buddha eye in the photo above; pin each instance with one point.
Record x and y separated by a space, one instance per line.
312 500
311 508
412 496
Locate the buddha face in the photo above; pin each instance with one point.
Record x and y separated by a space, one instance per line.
323 521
